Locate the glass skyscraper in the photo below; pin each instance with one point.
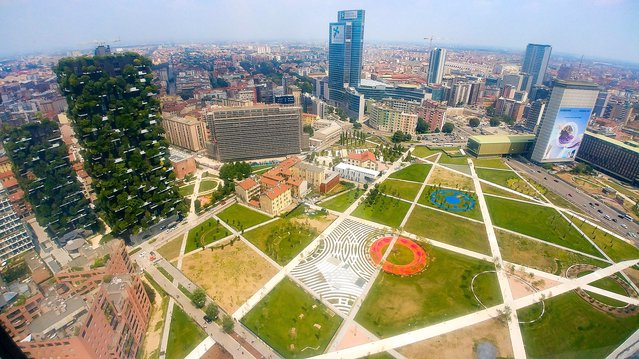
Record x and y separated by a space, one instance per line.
436 65
536 62
345 51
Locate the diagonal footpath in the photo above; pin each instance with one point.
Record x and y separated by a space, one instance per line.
513 324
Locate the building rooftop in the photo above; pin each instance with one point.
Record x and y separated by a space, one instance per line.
346 166
502 138
371 83
247 183
627 145
576 84
58 318
364 156
276 191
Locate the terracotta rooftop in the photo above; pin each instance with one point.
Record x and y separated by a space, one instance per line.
10 183
7 174
288 163
364 156
247 183
268 182
276 191
295 181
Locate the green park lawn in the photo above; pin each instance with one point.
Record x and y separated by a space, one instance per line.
207 185
496 176
282 239
538 255
449 160
423 151
490 163
617 249
474 213
205 233
448 229
415 172
608 284
343 201
401 189
488 190
290 320
540 222
171 249
240 217
572 328
385 210
397 304
184 335
186 190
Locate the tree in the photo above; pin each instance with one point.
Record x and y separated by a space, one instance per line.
474 122
494 122
422 126
227 324
149 292
448 127
198 298
400 136
212 311
308 129
490 111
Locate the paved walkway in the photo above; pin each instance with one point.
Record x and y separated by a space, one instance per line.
513 324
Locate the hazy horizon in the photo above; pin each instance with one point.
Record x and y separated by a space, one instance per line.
28 26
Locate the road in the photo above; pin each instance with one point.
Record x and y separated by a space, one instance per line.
577 197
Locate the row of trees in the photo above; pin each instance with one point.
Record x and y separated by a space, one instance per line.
357 138
390 153
400 136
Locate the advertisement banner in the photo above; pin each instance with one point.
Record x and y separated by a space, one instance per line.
567 133
337 33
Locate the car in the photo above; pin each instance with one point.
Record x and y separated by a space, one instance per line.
569 195
207 319
606 217
545 178
597 204
556 181
624 226
614 220
600 211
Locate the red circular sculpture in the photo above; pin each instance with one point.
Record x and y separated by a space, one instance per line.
420 258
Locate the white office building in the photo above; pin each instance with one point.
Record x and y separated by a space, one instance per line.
355 173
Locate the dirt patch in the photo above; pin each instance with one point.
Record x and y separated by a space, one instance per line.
461 343
217 352
229 275
520 289
633 274
153 334
445 178
319 224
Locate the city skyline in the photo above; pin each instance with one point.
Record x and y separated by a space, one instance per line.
27 27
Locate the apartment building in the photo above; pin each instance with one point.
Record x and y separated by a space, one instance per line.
14 238
276 200
186 132
365 159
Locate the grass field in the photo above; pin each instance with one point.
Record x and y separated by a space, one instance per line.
414 172
446 159
572 328
282 239
343 201
401 189
537 221
423 151
165 273
496 176
171 250
445 178
448 229
207 185
490 163
186 190
534 254
184 335
205 233
488 189
614 247
608 284
240 217
474 213
229 275
385 210
397 304
291 320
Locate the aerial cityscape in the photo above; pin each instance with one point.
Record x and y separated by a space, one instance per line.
188 179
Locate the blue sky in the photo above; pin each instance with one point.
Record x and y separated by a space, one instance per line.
599 28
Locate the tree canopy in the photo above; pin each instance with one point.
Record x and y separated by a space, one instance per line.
473 122
400 136
422 126
448 127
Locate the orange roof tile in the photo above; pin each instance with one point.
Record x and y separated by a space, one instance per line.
7 174
247 183
364 156
10 183
295 181
268 182
288 163
277 191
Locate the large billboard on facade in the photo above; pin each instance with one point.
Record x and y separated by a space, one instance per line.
337 33
348 15
567 133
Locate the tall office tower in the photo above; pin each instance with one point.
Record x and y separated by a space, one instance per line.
436 65
535 113
565 120
14 238
260 131
536 62
116 115
345 52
